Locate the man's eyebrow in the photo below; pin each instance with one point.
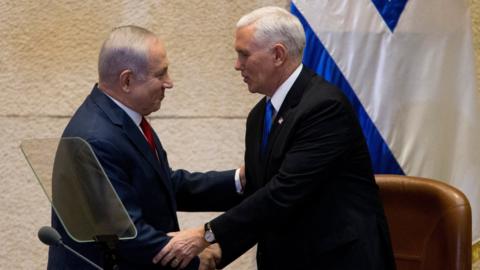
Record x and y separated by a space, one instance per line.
161 71
242 51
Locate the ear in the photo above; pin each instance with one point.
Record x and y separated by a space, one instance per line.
280 54
125 80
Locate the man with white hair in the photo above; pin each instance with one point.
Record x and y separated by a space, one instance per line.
133 77
312 201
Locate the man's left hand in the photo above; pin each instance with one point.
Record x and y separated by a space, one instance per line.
210 257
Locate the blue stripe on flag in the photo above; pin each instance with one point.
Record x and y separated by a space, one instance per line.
317 58
390 11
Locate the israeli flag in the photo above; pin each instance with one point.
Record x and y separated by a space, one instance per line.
408 68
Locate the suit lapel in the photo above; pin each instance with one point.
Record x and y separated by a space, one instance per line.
253 140
137 139
161 164
120 118
291 100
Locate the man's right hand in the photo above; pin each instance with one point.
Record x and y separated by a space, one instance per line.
210 257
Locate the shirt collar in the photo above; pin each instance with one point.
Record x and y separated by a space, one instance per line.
280 94
135 116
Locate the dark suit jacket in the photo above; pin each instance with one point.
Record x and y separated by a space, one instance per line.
150 191
312 199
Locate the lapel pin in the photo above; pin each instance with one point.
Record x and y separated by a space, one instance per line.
280 121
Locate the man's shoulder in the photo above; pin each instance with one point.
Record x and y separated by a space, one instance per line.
319 91
319 86
257 109
88 122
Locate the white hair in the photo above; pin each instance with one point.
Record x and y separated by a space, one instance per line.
127 47
275 24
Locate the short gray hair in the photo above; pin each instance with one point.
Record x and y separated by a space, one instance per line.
127 47
275 24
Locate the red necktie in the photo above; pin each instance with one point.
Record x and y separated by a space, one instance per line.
148 131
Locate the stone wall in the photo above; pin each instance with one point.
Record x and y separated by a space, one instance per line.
48 59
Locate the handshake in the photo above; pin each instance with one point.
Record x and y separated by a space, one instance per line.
187 244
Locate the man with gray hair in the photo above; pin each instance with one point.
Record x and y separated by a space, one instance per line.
133 77
312 201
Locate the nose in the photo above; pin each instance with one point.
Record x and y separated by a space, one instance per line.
238 65
168 82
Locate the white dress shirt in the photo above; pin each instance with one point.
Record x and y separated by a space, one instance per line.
282 91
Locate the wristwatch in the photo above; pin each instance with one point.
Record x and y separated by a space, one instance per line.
209 236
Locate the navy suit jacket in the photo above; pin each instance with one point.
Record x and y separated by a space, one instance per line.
312 199
150 191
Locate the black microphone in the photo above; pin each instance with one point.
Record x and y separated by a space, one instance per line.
49 236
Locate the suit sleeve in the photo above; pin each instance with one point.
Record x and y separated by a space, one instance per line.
320 138
210 191
149 240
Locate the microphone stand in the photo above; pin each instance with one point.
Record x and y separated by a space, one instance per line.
108 245
81 256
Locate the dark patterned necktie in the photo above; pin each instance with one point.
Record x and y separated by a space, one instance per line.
148 132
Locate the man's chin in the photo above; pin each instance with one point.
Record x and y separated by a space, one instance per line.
252 90
155 109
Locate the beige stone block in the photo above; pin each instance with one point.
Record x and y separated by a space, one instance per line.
23 206
202 144
49 52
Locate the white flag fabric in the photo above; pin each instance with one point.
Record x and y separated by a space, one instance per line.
408 68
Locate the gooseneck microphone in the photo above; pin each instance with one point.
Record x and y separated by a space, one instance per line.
49 236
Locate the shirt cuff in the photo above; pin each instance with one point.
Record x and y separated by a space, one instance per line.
238 184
